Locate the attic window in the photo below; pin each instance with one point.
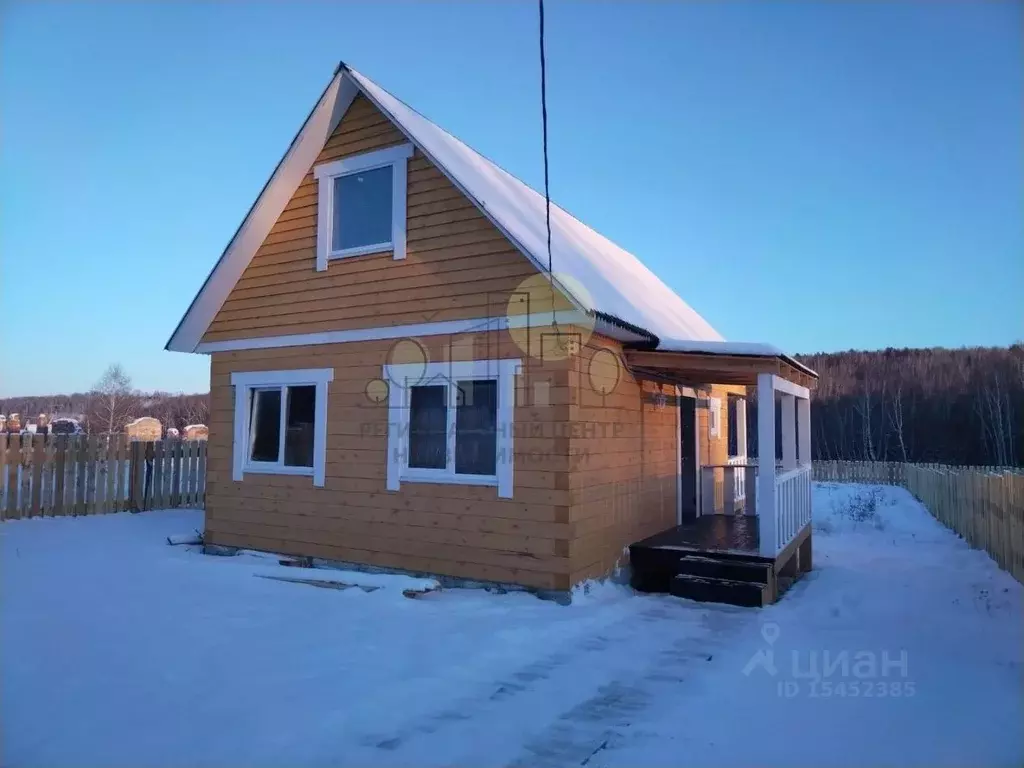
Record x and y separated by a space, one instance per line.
361 205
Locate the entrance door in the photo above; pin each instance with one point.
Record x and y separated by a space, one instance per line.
687 458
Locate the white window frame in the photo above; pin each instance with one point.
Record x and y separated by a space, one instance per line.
325 173
244 384
740 428
714 417
402 377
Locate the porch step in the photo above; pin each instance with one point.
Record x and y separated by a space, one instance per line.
732 570
713 590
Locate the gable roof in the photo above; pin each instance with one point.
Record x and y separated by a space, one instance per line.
602 278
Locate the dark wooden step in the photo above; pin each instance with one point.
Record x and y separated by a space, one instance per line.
711 590
732 570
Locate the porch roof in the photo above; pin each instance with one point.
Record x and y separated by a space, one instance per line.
728 366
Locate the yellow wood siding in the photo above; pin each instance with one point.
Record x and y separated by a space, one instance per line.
623 444
458 265
461 531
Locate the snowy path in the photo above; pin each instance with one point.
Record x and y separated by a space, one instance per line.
120 650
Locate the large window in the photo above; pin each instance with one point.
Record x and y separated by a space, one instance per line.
452 423
361 206
280 422
281 426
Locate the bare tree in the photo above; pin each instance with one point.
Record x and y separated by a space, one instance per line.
197 410
863 408
110 400
896 420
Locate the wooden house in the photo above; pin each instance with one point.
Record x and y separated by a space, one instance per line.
402 376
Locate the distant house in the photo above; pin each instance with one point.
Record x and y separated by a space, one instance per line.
196 432
395 353
144 428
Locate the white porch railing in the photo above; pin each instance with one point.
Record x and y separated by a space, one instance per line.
723 487
792 505
739 478
783 493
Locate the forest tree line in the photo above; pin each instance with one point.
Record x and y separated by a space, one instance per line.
951 406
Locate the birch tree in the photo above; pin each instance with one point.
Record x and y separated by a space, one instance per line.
111 400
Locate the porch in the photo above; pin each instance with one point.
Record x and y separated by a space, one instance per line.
747 536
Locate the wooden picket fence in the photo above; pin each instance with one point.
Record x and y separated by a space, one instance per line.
877 472
91 475
984 505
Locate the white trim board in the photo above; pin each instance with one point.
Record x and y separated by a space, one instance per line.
786 386
444 327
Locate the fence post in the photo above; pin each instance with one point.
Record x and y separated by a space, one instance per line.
137 476
38 456
201 474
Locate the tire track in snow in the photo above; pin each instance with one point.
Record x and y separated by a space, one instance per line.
591 726
561 709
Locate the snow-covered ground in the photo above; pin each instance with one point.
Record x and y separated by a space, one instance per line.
118 650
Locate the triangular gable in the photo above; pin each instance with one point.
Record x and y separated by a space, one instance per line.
602 278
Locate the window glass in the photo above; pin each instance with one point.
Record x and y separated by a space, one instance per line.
476 421
428 419
265 425
362 209
298 438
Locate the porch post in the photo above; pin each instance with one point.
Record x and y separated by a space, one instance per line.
804 431
766 462
788 432
741 427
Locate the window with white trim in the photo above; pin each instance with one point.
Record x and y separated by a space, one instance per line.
362 205
451 423
736 426
281 423
714 417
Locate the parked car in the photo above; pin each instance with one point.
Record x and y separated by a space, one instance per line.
66 426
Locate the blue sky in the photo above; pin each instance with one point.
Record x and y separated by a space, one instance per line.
817 175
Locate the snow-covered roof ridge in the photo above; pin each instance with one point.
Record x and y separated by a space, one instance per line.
614 282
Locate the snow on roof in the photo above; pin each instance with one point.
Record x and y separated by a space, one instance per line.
615 282
743 348
719 347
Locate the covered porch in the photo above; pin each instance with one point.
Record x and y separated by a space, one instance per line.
747 535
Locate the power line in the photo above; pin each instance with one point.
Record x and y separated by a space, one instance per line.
544 127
